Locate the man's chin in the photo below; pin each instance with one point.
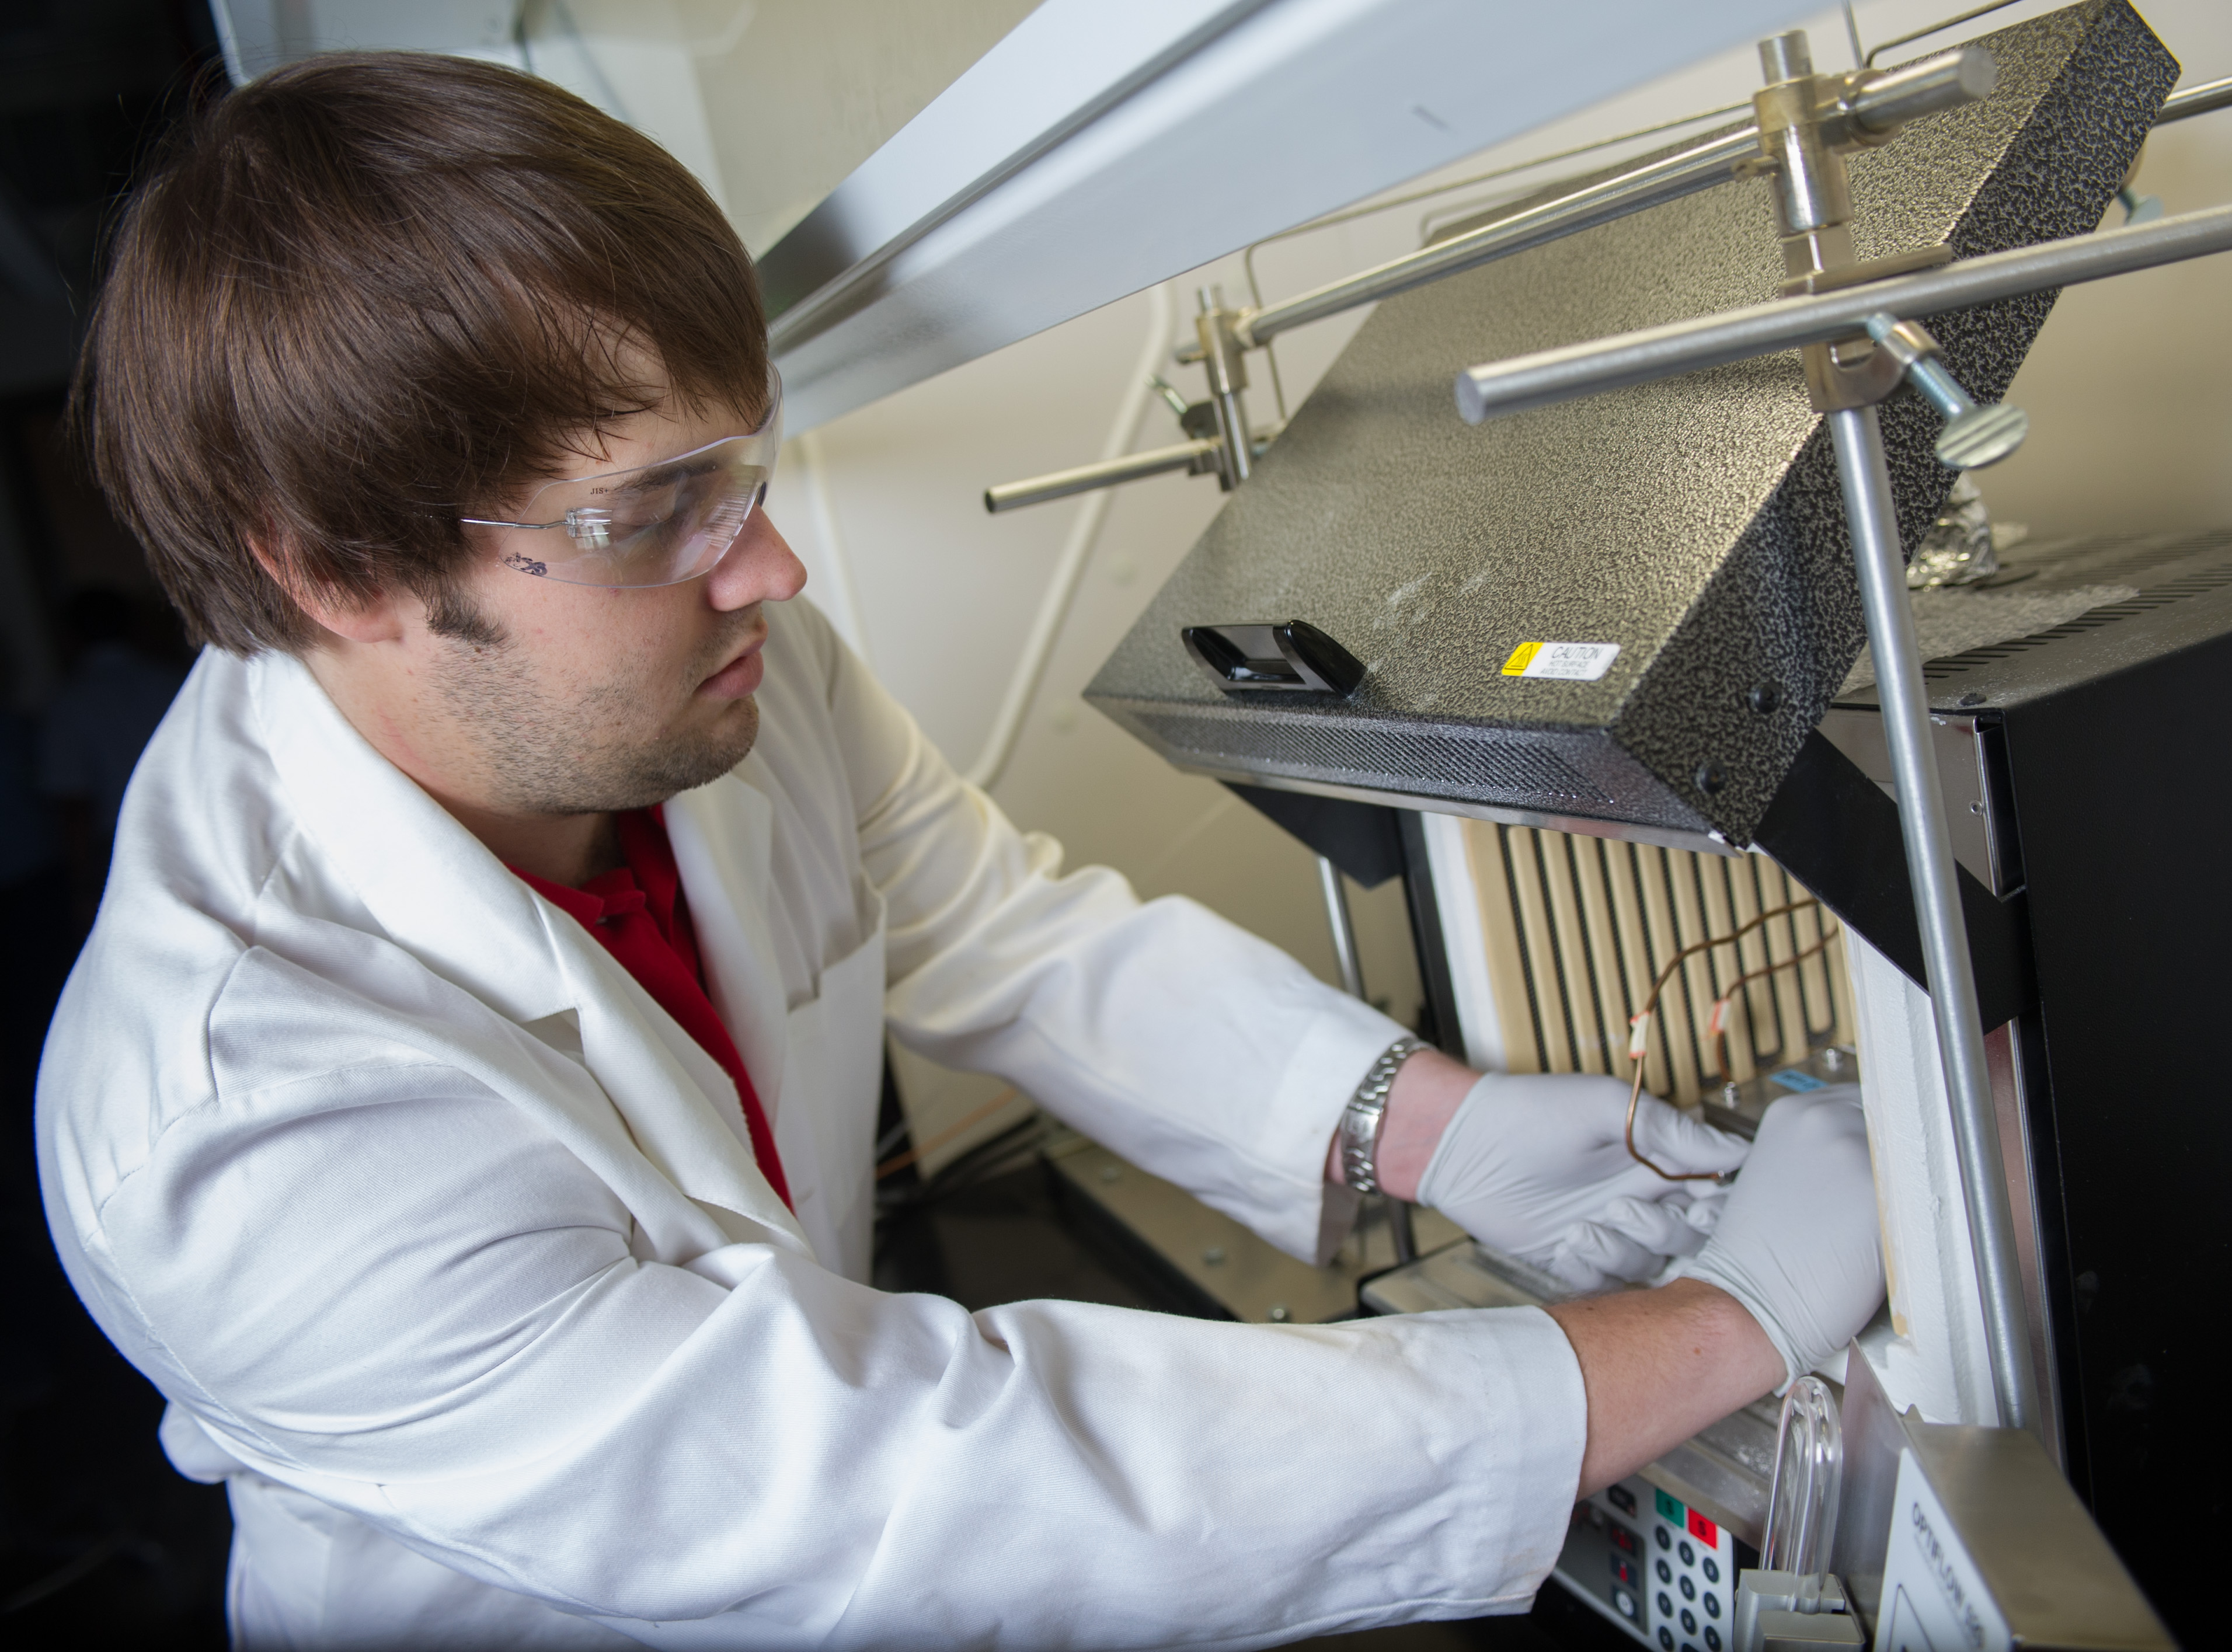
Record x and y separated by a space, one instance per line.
649 775
695 761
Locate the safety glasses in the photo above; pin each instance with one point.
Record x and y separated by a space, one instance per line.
653 524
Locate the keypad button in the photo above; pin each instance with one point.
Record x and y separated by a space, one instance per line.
1620 1498
1688 1555
1712 1639
1712 1604
1625 1602
1665 1604
1666 1572
1666 1638
1688 1589
1712 1570
1689 1622
1664 1541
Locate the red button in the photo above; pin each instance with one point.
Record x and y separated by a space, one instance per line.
1704 1531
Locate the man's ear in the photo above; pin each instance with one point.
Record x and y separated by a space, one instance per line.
377 621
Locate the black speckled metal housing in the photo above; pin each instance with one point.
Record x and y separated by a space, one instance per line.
1696 523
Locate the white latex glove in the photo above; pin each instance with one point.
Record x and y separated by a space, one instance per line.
1534 1165
1797 1242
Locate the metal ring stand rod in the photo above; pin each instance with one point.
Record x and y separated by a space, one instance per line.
1866 480
1517 383
1351 963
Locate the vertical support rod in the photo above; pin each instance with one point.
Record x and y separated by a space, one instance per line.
1240 442
1866 482
1352 981
1344 931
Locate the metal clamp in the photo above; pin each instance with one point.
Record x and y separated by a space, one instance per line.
1973 437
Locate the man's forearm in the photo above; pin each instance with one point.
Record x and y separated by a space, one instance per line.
1657 1366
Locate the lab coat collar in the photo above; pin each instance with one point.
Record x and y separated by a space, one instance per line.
724 838
438 893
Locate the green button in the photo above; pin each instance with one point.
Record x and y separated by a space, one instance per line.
1670 1510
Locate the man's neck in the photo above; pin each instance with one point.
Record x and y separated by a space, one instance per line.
569 849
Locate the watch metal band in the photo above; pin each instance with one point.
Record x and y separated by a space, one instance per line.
1367 1112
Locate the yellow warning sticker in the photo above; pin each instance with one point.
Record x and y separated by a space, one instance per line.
1567 661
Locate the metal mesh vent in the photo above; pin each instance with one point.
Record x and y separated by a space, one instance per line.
1391 757
2096 562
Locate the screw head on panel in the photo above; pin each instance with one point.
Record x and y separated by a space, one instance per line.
1709 777
1764 698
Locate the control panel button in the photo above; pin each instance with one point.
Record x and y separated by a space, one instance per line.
1665 1604
1688 1555
1712 1570
1712 1604
1620 1498
1623 1571
1625 1602
1664 1541
1703 1529
1622 1538
1688 1589
1666 1637
1666 1572
1689 1622
1712 1639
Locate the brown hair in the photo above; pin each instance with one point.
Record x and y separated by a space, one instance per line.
372 292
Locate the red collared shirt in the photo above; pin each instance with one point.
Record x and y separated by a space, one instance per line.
638 911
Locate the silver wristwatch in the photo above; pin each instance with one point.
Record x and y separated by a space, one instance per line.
1360 1122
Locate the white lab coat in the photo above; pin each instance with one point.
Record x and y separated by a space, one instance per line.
448 1247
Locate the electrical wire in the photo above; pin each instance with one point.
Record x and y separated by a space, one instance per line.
1639 1024
899 1162
1923 33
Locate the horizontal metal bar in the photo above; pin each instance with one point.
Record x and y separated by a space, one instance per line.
2195 100
1497 388
1912 90
1698 167
1059 484
1892 99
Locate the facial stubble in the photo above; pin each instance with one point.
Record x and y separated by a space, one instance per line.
580 748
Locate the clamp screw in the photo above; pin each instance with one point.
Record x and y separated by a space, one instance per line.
1764 698
1973 437
1709 777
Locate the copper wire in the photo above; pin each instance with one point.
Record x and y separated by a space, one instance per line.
1650 1003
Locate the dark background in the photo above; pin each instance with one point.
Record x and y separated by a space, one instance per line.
100 1543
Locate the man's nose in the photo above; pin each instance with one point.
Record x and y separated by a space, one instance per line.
760 567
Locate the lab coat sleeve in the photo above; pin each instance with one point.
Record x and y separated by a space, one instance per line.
1196 1050
379 1285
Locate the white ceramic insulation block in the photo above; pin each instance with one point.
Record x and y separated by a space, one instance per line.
1932 1354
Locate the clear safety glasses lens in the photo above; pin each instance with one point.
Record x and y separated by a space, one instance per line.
652 525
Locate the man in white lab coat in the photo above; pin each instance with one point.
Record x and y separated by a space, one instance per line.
463 1109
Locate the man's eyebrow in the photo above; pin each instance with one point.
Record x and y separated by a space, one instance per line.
673 470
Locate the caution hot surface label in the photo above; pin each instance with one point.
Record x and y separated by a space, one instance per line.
1565 661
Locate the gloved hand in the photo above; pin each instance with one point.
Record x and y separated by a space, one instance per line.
1797 1243
1534 1165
